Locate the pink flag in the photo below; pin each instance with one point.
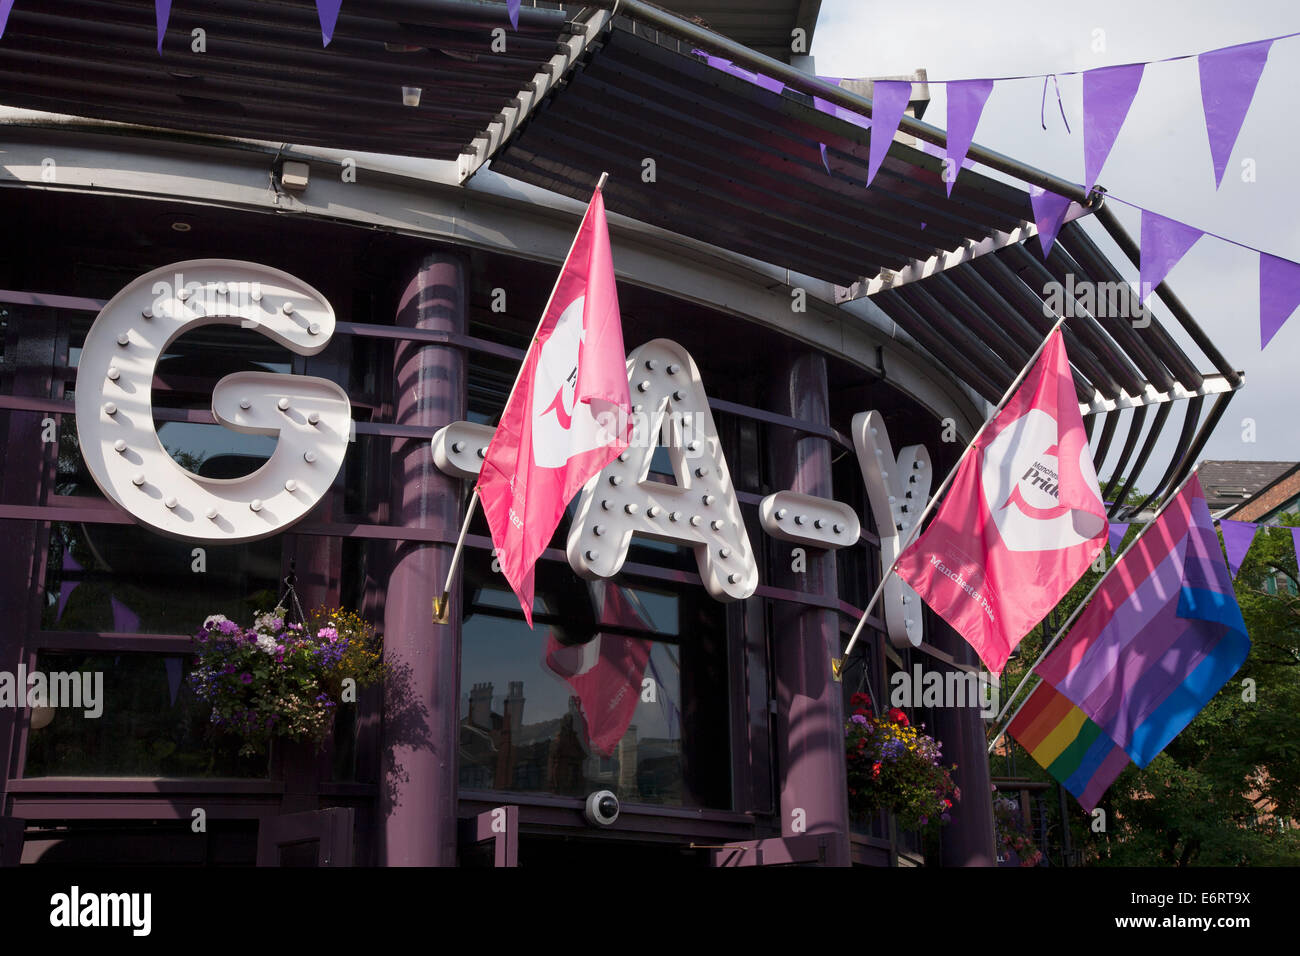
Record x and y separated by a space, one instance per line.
569 414
1023 520
605 672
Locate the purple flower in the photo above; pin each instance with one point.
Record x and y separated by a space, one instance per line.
858 719
246 677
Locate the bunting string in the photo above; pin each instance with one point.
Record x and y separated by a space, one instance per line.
1117 66
1228 78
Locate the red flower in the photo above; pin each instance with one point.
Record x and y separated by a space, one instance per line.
860 700
875 770
898 717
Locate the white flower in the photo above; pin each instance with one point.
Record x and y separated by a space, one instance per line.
272 621
213 620
266 643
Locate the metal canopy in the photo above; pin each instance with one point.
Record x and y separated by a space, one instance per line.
740 167
266 75
762 25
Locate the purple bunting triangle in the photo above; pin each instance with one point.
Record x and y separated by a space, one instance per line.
1164 243
1237 536
888 101
66 587
830 109
328 12
1107 95
771 84
1049 215
162 11
1117 531
173 666
1279 294
5 7
966 99
1295 544
825 162
125 620
1228 81
512 11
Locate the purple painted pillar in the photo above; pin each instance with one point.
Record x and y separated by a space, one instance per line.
418 791
810 717
968 840
28 460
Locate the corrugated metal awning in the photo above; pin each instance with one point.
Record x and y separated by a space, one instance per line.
740 167
704 153
264 73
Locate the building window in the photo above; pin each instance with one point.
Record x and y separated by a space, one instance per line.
134 716
620 686
126 579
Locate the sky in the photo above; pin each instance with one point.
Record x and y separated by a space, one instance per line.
1161 160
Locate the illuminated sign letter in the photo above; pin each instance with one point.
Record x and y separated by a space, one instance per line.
311 417
700 510
897 489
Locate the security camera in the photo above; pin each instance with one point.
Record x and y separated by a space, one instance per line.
601 809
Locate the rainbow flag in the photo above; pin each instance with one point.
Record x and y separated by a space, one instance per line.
1161 636
1067 744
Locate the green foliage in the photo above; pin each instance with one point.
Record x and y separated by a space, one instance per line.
1226 791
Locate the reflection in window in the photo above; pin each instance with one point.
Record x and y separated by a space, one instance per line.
597 696
129 580
150 724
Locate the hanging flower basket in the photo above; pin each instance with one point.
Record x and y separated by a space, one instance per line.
1012 840
893 766
282 679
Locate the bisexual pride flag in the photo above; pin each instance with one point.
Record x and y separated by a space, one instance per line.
1067 744
1161 636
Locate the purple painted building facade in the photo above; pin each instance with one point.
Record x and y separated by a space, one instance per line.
788 287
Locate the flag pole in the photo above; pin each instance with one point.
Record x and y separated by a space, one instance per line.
1064 628
441 604
934 499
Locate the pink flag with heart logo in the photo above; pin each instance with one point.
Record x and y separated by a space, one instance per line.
569 414
1022 522
606 671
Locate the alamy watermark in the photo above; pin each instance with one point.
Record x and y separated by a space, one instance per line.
206 298
75 909
951 688
78 690
1103 300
